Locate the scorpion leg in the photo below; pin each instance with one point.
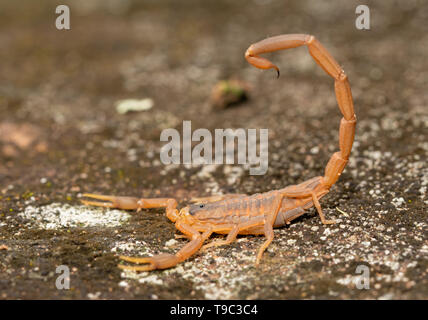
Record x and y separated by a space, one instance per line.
230 238
268 229
268 226
164 261
235 230
321 214
296 193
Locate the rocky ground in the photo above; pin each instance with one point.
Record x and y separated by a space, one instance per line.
61 136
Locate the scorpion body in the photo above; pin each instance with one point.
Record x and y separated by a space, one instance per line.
254 214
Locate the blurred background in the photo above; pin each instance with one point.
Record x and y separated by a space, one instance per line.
61 135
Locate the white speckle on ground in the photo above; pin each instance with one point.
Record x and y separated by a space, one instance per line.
94 296
58 215
136 247
223 278
125 106
387 296
233 174
398 202
205 174
171 243
153 279
348 280
206 171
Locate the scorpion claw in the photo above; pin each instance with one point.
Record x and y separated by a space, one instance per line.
136 260
161 261
136 268
148 260
126 203
97 203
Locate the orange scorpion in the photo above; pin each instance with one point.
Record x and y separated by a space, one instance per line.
255 214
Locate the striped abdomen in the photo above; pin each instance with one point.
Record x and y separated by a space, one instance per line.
235 210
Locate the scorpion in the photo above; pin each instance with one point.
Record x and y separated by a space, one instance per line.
257 214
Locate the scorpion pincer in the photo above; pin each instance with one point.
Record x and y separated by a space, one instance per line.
256 214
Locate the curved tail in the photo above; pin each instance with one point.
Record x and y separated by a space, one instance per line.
338 160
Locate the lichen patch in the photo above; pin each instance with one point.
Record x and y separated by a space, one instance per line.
57 215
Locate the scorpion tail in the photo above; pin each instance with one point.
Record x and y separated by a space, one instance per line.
323 58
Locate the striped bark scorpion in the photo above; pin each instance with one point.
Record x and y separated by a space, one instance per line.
255 214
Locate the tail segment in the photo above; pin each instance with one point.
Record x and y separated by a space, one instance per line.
323 58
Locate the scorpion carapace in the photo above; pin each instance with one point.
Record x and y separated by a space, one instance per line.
258 213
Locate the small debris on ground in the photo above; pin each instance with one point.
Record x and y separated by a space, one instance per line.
227 93
128 105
